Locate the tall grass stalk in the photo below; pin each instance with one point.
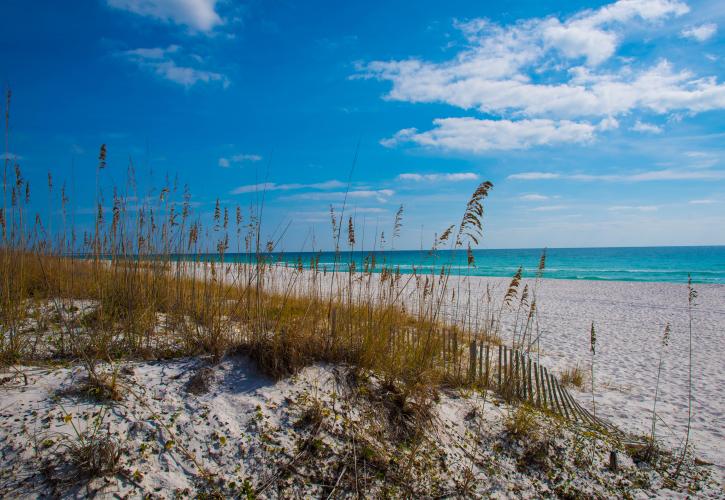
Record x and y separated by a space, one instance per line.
691 298
663 347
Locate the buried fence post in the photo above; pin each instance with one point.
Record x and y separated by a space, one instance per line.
613 461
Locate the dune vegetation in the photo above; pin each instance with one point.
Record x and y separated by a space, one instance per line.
149 280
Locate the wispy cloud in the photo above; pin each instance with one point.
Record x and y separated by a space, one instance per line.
646 128
271 186
700 33
324 215
549 208
701 159
199 15
477 136
226 162
381 195
651 175
638 208
534 176
164 63
533 197
457 177
702 202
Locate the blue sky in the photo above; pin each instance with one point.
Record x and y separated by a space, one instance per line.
599 123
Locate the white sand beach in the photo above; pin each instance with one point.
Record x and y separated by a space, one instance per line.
630 319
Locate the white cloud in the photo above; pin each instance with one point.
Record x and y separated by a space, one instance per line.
549 208
646 128
381 195
702 202
534 176
477 136
240 158
199 15
701 159
608 123
369 210
187 76
163 62
499 71
533 197
271 186
584 93
462 176
652 175
245 157
700 33
639 208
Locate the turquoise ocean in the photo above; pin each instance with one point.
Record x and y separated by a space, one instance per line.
706 264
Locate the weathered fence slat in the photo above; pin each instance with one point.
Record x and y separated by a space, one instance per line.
480 361
485 379
538 387
472 361
561 395
500 347
528 378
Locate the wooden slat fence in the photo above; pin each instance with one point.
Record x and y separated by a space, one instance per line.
515 376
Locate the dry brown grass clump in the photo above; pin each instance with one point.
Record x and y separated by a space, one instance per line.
521 424
572 377
200 381
96 457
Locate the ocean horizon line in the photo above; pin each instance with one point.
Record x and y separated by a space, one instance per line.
670 264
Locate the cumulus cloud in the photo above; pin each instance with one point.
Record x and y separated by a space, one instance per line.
477 136
271 186
162 61
646 128
199 15
499 72
462 176
700 33
225 162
